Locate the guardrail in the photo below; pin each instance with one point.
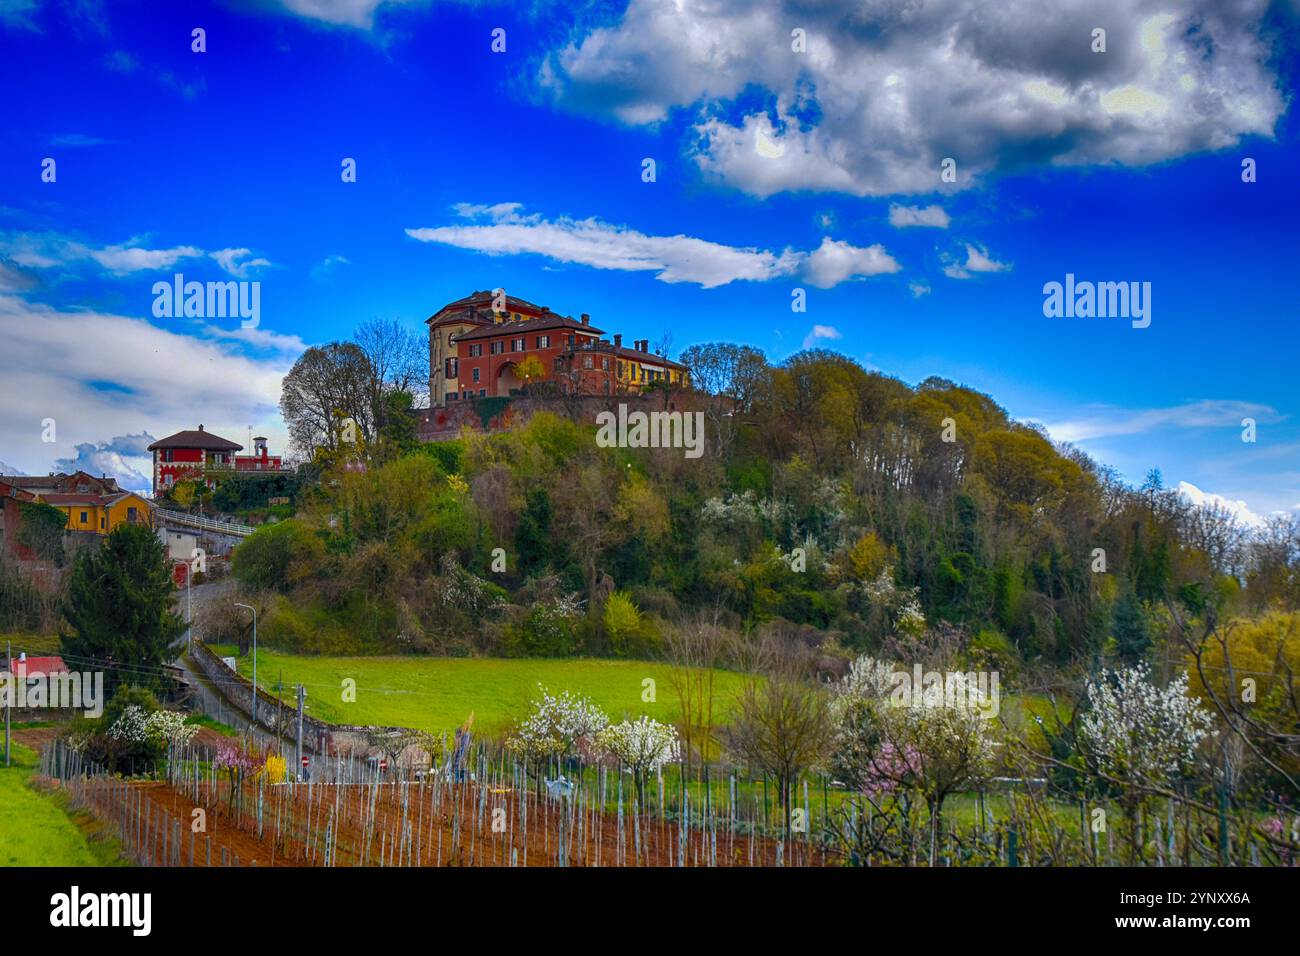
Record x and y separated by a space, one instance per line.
168 516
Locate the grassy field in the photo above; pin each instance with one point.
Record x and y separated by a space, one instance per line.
438 693
36 645
36 829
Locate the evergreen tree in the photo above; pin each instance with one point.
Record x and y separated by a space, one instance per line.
533 533
1132 638
119 607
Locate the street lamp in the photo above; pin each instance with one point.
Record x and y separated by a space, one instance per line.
254 610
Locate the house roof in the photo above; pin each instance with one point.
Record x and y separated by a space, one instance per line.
196 439
483 300
552 321
648 358
42 665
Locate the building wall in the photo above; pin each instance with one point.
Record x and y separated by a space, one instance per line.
489 366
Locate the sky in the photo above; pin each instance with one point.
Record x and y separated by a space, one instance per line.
793 146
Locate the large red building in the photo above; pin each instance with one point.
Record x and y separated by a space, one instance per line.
476 352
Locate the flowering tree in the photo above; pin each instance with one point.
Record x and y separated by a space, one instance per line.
1142 737
239 762
645 745
138 729
931 744
559 726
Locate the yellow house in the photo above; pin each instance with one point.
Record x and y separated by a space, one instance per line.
100 514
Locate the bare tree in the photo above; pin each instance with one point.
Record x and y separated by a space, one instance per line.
694 648
398 362
782 723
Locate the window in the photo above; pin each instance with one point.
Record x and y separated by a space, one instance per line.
453 367
84 517
498 348
476 374
130 514
517 345
476 351
604 363
586 361
82 488
620 369
482 393
543 341
167 454
101 523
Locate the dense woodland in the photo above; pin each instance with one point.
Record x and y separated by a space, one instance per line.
837 505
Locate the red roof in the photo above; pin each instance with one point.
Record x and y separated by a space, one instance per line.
196 439
41 665
554 321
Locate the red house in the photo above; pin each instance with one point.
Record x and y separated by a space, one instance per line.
190 454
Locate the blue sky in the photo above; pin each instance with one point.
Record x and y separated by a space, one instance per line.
776 169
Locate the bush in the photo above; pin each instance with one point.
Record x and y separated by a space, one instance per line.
278 556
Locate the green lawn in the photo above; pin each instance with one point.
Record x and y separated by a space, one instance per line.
438 693
36 828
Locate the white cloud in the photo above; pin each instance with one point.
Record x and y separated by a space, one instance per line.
99 375
347 13
1106 421
679 258
834 262
886 91
1238 508
233 261
821 332
47 250
977 260
903 216
918 288
124 457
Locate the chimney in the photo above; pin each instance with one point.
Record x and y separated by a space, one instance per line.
618 341
200 426
586 319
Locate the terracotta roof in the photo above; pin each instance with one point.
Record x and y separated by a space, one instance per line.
196 439
553 321
648 358
54 498
483 300
41 665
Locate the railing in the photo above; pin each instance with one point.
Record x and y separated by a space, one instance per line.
168 516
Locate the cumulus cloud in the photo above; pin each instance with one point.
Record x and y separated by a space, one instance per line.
902 217
834 262
124 457
1239 509
328 266
821 333
977 260
886 91
504 229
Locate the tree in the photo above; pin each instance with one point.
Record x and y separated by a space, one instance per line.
782 725
644 745
327 385
530 370
930 743
397 360
119 606
1132 636
1142 737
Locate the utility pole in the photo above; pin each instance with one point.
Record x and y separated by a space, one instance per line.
302 692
